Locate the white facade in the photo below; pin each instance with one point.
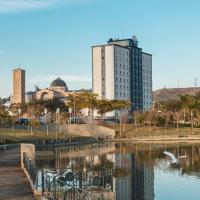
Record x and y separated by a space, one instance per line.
147 81
111 73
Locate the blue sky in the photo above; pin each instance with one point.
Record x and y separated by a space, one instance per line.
53 38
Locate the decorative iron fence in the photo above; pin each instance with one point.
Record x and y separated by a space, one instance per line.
79 185
69 184
31 169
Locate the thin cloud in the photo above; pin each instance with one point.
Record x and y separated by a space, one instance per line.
66 78
10 6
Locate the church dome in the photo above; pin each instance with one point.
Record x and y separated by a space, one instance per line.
58 83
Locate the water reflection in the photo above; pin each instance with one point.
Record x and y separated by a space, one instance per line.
140 171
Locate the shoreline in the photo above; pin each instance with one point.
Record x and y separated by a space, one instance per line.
135 140
161 139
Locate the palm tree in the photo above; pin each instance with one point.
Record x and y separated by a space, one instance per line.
184 100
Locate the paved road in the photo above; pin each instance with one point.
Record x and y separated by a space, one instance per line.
13 182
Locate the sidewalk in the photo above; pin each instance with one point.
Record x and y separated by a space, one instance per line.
13 182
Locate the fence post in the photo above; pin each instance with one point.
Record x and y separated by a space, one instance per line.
42 182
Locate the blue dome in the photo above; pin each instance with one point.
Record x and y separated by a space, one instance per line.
58 83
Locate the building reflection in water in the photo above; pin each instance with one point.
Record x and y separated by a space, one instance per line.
133 168
138 180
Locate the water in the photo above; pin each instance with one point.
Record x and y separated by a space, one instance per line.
140 171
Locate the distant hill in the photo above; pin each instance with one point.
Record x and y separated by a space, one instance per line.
173 93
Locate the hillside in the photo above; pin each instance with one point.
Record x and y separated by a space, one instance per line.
173 93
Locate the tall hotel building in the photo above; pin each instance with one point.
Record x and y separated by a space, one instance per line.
122 71
18 86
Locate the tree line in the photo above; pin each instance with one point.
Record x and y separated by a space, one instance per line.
75 101
185 111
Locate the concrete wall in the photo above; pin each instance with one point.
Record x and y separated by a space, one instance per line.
29 149
89 130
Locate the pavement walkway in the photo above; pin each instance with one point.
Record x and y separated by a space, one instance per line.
13 183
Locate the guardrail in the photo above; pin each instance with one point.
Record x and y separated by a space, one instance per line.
7 146
91 184
31 169
76 185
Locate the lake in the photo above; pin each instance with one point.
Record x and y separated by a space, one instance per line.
139 171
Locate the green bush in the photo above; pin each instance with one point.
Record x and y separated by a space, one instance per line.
35 123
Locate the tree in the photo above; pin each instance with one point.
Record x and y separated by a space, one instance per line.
120 104
184 100
103 106
5 118
78 101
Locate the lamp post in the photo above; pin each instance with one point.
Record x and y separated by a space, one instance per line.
70 113
46 112
57 121
13 125
120 125
74 108
19 111
192 123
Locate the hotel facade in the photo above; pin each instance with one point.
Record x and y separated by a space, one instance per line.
121 70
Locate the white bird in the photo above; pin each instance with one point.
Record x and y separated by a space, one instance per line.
174 160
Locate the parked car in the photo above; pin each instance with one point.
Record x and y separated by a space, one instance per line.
22 121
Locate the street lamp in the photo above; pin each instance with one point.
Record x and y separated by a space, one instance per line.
57 121
45 113
19 111
74 108
70 112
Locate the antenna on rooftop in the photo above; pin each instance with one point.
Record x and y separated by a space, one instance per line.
195 82
178 84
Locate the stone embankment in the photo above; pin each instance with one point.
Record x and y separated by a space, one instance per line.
161 139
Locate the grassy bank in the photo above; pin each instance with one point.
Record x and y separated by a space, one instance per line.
130 130
17 136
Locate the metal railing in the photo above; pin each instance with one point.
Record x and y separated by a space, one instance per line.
69 184
79 185
31 169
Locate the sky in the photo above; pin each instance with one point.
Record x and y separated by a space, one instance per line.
53 38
